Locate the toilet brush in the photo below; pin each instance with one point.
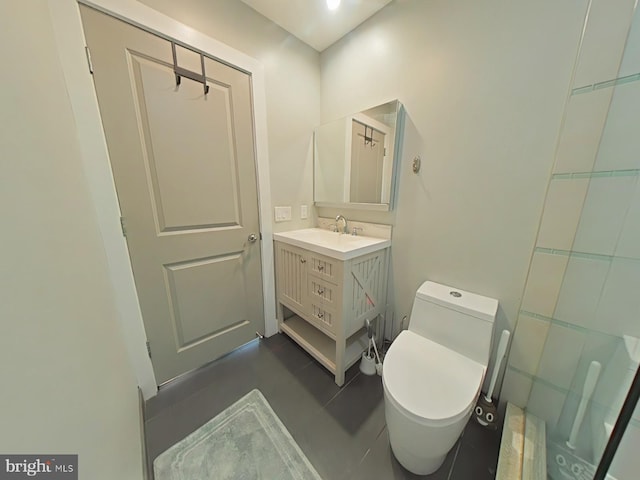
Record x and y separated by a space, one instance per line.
370 365
486 411
378 361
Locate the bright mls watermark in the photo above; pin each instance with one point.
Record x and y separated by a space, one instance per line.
40 467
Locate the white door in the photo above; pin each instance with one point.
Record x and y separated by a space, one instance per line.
367 161
184 168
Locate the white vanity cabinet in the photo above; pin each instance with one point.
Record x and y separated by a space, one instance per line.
327 301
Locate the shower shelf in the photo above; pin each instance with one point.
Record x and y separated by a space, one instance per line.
606 84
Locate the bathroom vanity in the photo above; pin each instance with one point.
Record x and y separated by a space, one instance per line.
327 284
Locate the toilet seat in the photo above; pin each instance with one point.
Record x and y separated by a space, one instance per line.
428 382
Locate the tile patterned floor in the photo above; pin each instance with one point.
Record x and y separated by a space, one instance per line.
341 430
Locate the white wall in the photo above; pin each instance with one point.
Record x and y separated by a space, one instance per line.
68 386
332 150
484 84
292 75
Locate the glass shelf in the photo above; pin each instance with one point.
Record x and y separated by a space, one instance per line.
602 174
606 84
591 256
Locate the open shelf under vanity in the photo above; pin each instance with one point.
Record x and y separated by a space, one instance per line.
322 347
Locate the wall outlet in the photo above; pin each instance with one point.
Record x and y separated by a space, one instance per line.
282 214
304 212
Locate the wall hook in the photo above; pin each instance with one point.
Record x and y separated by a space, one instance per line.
416 164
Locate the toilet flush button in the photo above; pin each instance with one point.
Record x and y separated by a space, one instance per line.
453 293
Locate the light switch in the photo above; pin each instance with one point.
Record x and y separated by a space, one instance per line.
304 212
282 214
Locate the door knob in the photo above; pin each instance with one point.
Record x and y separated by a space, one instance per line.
252 238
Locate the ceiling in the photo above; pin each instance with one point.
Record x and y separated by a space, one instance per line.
312 21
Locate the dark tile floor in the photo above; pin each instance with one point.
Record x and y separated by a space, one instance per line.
341 430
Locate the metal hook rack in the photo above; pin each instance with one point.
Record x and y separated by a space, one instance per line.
180 72
368 140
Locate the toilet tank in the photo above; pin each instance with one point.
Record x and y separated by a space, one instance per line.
458 320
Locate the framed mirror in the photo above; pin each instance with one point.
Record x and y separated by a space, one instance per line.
355 159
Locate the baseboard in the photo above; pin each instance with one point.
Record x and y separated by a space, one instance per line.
143 437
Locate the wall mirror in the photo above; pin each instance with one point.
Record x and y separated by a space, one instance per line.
355 159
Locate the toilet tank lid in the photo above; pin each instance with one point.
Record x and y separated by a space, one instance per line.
478 306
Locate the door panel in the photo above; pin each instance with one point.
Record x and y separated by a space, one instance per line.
197 164
192 305
184 168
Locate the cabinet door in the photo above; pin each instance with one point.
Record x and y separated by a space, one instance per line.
291 277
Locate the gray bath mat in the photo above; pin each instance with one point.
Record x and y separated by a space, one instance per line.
246 441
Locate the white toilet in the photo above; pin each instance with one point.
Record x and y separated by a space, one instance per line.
433 373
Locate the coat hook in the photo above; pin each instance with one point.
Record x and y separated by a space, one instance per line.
180 72
204 76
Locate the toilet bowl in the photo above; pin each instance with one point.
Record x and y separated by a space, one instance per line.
433 373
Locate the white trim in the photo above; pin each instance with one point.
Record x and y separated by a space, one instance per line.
378 207
371 122
67 26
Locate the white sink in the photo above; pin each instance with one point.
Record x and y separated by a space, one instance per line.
341 246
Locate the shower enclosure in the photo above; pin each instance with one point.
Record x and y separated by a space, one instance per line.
576 348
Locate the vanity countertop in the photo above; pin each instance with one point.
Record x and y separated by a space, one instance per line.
340 246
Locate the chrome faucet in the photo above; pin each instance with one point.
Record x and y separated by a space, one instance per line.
344 229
